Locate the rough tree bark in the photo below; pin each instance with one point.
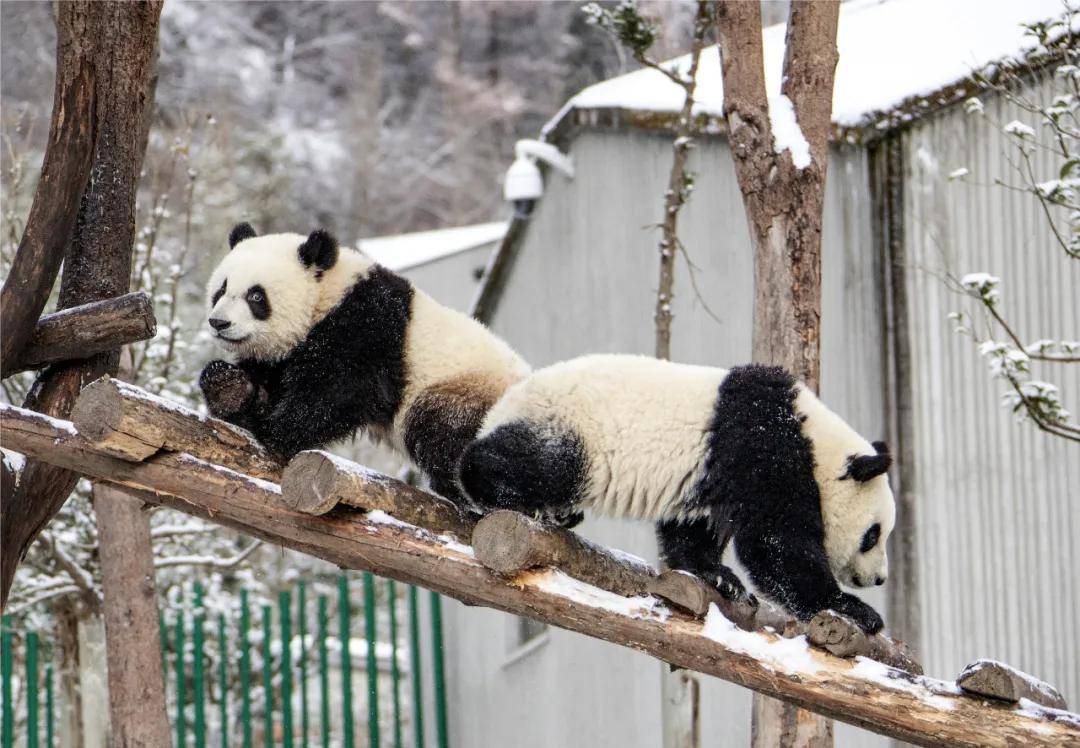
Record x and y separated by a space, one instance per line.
68 156
783 205
121 39
137 713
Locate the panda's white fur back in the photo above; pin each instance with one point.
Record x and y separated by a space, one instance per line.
443 345
643 423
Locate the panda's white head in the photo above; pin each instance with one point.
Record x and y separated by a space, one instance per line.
857 505
268 291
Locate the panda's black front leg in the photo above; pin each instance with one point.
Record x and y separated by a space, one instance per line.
697 546
795 573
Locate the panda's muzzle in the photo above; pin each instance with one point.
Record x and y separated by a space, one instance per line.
219 324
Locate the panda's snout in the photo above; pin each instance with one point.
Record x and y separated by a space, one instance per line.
879 581
219 324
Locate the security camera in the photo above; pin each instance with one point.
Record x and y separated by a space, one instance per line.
523 186
524 183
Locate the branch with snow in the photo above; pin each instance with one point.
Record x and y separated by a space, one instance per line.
1043 128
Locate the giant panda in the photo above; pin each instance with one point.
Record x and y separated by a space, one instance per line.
323 341
746 454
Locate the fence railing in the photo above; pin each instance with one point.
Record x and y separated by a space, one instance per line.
304 695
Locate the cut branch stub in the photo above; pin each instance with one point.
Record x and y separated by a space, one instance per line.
83 331
1000 681
314 482
510 542
133 424
842 637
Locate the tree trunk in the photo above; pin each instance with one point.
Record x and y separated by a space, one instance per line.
137 711
783 202
64 172
121 38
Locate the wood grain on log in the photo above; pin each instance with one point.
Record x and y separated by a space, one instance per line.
314 482
86 330
133 424
919 710
1000 681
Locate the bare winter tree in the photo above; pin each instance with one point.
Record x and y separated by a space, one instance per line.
780 148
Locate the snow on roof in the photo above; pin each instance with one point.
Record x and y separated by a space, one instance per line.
890 51
405 251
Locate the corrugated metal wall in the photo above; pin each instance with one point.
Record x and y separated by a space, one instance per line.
585 282
999 502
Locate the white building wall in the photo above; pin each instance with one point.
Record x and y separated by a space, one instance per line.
998 500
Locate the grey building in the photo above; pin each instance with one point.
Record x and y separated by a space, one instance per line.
990 505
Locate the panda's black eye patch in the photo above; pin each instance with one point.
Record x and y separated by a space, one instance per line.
218 293
870 538
258 302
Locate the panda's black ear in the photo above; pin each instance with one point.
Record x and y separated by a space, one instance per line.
864 467
320 250
880 447
240 232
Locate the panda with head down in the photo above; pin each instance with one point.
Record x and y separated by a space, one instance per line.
711 455
323 341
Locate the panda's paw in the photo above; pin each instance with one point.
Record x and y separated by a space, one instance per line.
226 387
731 588
866 617
566 520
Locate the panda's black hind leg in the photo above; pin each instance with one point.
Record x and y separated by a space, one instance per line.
526 468
697 546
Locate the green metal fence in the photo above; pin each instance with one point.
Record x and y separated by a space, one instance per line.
212 669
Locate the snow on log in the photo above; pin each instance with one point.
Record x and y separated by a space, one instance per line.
315 482
1000 681
86 330
130 423
920 710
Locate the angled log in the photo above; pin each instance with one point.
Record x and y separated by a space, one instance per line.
68 157
128 422
314 482
920 710
1000 681
84 331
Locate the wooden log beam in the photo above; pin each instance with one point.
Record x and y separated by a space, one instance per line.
1000 681
314 482
128 422
510 542
919 710
84 331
